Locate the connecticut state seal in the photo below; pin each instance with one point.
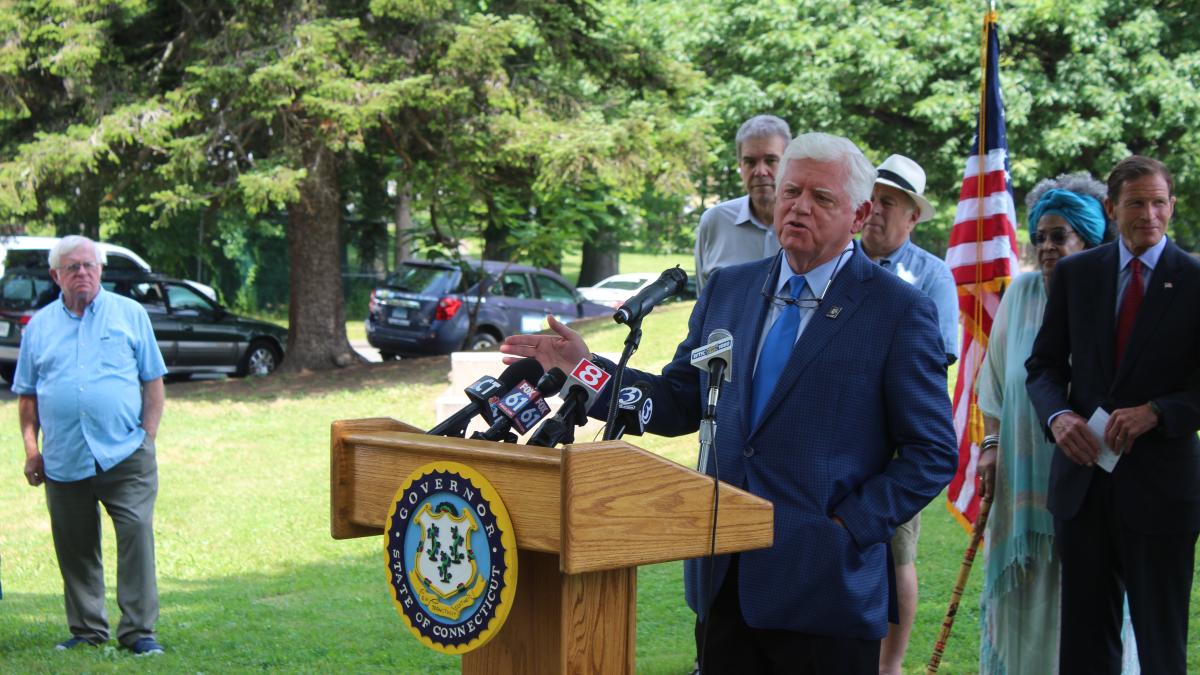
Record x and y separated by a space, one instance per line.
451 556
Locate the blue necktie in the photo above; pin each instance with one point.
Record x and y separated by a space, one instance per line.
776 351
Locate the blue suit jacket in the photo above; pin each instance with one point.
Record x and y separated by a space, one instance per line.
859 426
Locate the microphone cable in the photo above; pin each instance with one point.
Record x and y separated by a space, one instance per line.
712 563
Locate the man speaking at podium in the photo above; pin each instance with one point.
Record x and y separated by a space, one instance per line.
837 413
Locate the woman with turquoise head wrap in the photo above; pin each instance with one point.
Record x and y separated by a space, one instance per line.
1065 217
1019 608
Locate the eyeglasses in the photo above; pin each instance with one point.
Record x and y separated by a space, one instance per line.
1058 236
75 268
782 301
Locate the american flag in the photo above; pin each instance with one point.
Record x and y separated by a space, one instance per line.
983 258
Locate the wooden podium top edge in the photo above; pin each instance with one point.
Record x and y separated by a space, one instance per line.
504 452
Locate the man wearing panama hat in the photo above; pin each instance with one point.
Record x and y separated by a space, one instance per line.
897 205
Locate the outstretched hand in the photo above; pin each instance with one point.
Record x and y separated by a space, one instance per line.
562 350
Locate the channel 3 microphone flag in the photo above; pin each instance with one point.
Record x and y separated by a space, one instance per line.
983 258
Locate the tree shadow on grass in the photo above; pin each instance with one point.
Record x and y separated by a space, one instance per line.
422 370
415 370
331 616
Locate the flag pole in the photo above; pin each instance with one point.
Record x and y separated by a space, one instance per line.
960 584
974 428
974 416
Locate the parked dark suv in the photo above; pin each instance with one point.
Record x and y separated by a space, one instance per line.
195 334
424 307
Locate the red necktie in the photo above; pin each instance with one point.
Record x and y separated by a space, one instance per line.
1130 302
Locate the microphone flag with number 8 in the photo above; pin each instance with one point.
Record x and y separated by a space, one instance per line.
586 382
592 377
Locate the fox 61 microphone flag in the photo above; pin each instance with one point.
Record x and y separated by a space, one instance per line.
482 392
524 406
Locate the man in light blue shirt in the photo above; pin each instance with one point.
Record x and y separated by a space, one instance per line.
898 204
89 377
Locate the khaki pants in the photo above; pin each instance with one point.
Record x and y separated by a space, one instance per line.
904 542
127 491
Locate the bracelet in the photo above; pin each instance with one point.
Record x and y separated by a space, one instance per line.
990 441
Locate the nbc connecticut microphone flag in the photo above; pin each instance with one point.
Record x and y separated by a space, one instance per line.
983 258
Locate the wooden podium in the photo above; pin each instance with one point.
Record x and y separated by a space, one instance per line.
585 517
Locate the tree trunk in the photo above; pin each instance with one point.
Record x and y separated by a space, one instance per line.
316 315
404 222
83 215
601 253
372 238
495 235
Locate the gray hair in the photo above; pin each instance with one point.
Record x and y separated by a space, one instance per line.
761 126
1080 182
68 244
828 148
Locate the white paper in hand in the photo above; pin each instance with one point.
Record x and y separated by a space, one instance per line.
1108 459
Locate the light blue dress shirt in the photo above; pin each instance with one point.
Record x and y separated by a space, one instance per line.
815 282
87 373
1149 261
929 273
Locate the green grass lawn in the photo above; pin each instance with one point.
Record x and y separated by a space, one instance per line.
250 579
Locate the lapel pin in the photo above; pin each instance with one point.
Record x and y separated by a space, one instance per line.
1168 284
833 312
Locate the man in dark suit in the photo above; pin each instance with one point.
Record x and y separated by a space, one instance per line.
838 413
1122 333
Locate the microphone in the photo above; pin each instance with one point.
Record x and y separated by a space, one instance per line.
483 393
669 283
634 409
523 407
583 386
716 358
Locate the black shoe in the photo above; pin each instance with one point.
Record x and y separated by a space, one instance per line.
73 643
146 646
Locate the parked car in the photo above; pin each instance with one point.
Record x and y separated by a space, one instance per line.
424 307
194 333
34 252
615 290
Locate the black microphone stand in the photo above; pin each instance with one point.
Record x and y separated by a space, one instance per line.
631 345
555 431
